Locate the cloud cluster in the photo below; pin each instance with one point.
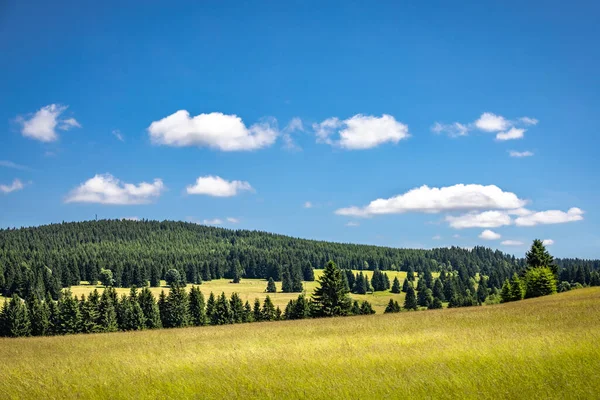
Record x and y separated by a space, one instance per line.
505 129
360 131
214 130
106 189
217 187
43 124
547 242
489 235
434 200
16 185
550 217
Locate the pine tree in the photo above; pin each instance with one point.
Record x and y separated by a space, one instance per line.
154 276
237 272
437 304
268 310
405 285
271 288
505 292
396 286
69 317
308 272
286 280
211 303
410 301
237 308
438 289
177 307
393 306
163 309
248 316
257 313
425 297
517 291
222 314
14 318
197 307
149 309
278 314
366 308
39 316
410 275
538 256
89 316
331 296
482 290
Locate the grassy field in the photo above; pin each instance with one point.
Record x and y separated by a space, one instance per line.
541 348
249 289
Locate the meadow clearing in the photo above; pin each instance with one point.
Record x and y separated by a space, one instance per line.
249 289
547 347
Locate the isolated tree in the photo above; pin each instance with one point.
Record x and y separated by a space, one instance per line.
197 307
539 282
392 307
271 288
331 296
173 277
538 256
106 277
410 301
237 272
396 286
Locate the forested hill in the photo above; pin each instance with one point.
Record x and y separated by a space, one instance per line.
49 257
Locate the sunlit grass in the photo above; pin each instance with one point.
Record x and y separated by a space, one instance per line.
541 348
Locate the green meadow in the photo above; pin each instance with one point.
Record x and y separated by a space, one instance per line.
548 347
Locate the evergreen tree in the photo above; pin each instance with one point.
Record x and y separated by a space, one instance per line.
393 306
539 282
396 286
437 304
154 276
278 314
360 284
482 290
211 303
331 296
538 256
425 297
177 308
505 293
197 307
268 310
237 308
271 288
366 308
410 301
149 309
106 277
248 316
438 290
14 318
163 309
237 272
39 316
257 313
69 317
222 314
301 308
410 275
89 316
355 310
173 277
405 285
308 272
517 290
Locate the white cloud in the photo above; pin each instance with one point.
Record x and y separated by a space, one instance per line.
489 235
214 221
453 130
437 237
511 134
361 131
10 164
486 219
547 242
106 189
550 217
519 212
295 125
42 125
519 154
528 121
433 200
308 204
352 224
117 133
215 130
512 243
232 220
16 185
490 122
217 186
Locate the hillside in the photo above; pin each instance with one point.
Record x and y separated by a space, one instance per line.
540 348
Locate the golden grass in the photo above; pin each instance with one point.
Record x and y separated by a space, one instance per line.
541 348
249 289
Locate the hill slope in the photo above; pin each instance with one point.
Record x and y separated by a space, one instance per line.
541 348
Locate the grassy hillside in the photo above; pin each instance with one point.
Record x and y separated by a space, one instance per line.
541 348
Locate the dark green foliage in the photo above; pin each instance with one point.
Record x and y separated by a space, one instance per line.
438 289
268 310
173 277
271 288
361 285
177 308
69 316
222 314
248 315
107 315
89 315
405 285
482 290
410 274
297 309
410 301
378 281
154 276
539 282
237 308
563 287
396 286
197 307
366 308
595 278
39 316
149 309
538 256
14 318
308 272
256 311
331 296
425 297
291 279
106 277
211 303
437 304
355 309
236 273
392 307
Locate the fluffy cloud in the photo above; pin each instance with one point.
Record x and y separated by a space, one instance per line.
489 235
550 217
489 122
361 131
511 134
520 154
16 185
106 189
214 221
512 243
215 130
547 242
295 125
486 219
453 130
217 187
43 124
433 200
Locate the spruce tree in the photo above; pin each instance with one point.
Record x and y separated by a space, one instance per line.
197 307
237 272
301 308
355 310
410 301
154 276
410 275
308 272
331 296
437 304
482 290
149 309
222 314
257 313
438 289
268 310
89 315
366 308
177 307
425 297
505 292
539 282
248 316
163 309
39 316
14 318
392 307
396 286
538 256
210 306
271 288
69 317
237 308
405 285
517 291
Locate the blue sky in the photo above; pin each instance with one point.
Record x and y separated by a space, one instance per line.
338 104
